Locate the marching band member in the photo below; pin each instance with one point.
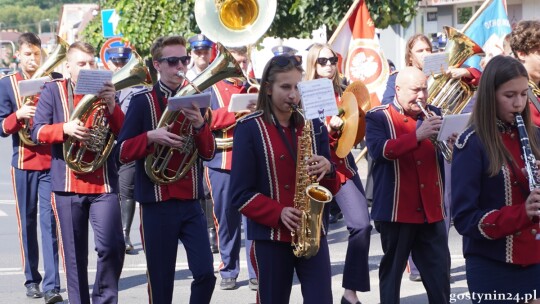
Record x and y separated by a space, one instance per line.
31 177
82 198
218 172
263 186
493 207
169 212
525 43
201 51
119 56
321 63
408 207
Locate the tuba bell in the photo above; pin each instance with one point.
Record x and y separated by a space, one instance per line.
234 22
57 56
452 95
158 164
88 156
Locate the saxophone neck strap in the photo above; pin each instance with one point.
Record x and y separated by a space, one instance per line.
291 145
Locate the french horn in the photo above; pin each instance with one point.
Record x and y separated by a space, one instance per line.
88 156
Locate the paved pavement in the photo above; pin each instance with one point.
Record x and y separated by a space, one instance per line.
133 279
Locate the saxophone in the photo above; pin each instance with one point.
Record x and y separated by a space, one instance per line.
309 198
528 156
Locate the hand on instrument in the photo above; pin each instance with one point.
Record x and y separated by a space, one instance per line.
458 73
290 217
25 111
319 166
451 140
108 95
194 115
76 129
162 136
429 127
252 106
532 204
335 124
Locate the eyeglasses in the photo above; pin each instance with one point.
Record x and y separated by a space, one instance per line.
173 60
282 60
324 60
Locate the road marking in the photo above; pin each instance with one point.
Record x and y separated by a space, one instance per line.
2 213
7 202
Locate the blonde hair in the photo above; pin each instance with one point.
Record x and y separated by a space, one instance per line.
311 66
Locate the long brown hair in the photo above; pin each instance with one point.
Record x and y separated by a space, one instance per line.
499 70
311 65
410 43
271 70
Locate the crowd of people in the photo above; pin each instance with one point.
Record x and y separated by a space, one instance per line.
243 169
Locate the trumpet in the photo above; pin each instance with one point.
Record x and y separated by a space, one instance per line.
440 145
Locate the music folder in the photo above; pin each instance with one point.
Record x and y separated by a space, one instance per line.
453 124
199 100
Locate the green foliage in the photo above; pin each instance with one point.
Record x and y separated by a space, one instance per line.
144 20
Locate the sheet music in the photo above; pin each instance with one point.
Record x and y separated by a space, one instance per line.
240 102
198 100
453 124
31 87
435 63
92 81
318 99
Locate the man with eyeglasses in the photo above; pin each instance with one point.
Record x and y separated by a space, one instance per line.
170 212
217 174
80 199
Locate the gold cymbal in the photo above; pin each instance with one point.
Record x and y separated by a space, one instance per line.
349 110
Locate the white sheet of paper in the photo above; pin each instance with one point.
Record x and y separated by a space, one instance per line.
240 102
31 87
435 63
318 99
453 124
91 81
199 100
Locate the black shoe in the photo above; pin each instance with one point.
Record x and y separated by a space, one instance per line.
334 218
32 291
228 284
129 246
253 284
52 296
345 301
415 277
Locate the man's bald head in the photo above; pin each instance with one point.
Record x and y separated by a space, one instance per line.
411 87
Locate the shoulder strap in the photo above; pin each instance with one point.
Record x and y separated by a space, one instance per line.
533 99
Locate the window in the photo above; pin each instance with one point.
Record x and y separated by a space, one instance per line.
463 13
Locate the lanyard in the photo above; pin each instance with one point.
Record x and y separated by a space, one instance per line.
290 146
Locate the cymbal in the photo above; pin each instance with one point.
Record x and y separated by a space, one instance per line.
349 110
360 91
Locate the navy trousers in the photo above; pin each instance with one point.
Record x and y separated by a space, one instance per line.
102 211
428 244
353 204
229 230
162 225
30 187
276 264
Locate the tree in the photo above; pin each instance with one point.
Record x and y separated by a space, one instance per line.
144 20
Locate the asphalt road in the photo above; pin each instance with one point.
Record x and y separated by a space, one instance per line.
133 279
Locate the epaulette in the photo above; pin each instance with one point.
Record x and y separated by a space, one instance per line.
250 116
463 137
378 108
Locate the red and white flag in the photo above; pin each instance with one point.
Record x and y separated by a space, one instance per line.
358 46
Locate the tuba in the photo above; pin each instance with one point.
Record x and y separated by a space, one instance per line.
101 139
309 198
55 58
157 164
452 95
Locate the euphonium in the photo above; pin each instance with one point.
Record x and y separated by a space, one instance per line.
55 58
452 95
440 145
91 108
309 198
157 164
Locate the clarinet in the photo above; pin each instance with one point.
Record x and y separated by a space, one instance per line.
528 157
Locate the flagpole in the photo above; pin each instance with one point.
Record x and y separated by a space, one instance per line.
476 14
343 21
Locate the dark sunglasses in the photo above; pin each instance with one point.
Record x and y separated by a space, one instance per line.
324 60
283 61
173 61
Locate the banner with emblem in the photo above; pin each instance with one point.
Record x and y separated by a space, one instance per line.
488 30
360 55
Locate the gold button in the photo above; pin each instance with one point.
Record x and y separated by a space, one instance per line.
418 162
341 161
517 233
419 209
286 187
282 157
98 176
422 186
533 231
405 119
